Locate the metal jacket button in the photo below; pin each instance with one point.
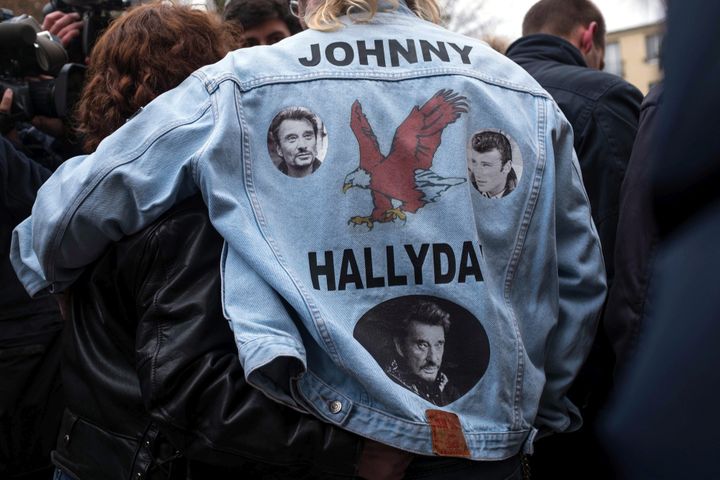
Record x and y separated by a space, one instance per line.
335 406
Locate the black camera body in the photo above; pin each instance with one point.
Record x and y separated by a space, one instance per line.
27 51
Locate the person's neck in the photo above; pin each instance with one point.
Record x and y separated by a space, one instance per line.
497 192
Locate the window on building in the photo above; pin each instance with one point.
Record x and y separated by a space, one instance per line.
652 47
613 60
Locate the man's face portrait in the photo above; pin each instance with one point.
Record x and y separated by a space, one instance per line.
489 172
407 336
297 141
422 349
297 146
494 163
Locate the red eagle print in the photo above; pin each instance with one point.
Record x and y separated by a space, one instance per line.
402 181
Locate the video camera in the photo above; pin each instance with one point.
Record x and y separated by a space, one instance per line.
27 51
96 15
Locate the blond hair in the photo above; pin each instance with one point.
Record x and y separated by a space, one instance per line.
325 16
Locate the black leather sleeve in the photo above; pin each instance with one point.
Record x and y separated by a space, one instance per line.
191 379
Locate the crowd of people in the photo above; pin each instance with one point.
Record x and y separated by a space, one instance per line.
326 239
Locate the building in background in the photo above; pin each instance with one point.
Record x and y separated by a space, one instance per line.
634 54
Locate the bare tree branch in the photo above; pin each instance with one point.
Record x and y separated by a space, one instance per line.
468 18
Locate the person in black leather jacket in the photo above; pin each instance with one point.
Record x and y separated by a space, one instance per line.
563 47
154 384
152 375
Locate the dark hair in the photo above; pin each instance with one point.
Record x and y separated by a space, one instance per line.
486 141
129 64
427 313
561 17
292 113
251 13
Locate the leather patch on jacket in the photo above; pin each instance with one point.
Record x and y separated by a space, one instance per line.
447 435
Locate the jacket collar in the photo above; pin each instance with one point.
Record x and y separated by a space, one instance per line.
546 47
385 5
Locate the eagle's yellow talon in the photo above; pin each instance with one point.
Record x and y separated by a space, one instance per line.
393 214
361 221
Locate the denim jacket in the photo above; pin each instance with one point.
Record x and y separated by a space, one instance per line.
329 279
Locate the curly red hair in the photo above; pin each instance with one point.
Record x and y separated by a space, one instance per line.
148 50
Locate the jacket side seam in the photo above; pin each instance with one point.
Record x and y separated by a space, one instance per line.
262 226
158 326
517 253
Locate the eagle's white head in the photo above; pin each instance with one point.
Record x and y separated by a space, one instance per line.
357 178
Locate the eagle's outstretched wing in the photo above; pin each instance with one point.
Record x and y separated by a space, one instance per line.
370 154
419 134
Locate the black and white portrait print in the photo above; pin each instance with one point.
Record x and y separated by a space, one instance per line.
297 142
494 163
428 345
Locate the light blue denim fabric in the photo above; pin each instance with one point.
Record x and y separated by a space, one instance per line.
520 328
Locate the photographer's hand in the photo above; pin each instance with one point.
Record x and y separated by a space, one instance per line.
51 126
65 26
6 102
7 122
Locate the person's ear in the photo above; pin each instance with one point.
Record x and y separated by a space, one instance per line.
587 38
397 347
278 150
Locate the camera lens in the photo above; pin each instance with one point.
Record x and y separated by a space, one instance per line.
50 55
42 97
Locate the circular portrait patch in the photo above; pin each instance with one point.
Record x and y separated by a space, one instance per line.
428 345
494 163
297 142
